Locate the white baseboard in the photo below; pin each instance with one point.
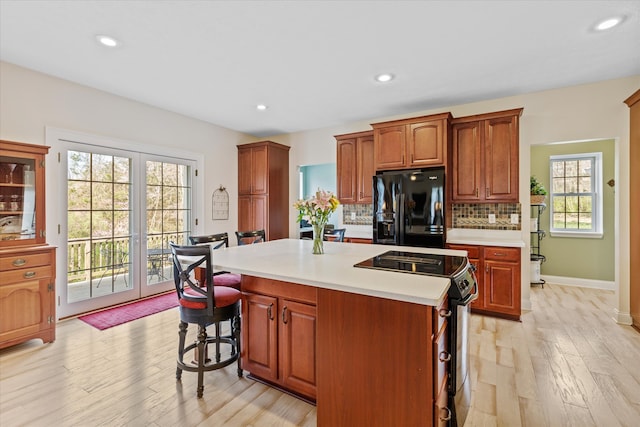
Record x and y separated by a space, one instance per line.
622 318
583 283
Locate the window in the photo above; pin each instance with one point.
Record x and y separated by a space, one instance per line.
576 195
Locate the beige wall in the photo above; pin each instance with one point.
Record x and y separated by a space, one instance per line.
592 111
31 101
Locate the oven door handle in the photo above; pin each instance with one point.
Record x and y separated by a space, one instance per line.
472 296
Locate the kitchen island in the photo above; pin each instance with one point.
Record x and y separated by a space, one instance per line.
368 346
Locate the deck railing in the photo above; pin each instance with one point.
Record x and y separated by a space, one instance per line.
101 258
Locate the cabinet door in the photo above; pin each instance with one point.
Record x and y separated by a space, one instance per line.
260 335
346 164
502 287
390 147
466 153
25 310
259 172
426 144
244 171
252 213
298 347
365 170
501 159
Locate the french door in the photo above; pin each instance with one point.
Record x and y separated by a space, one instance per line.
122 210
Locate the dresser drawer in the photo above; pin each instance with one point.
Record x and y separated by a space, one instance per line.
13 262
22 274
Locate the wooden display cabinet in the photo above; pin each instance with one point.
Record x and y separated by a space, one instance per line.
263 188
355 167
27 263
412 143
484 157
279 334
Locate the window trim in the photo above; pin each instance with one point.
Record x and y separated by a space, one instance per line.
597 231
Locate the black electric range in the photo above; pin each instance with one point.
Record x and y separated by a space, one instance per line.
456 268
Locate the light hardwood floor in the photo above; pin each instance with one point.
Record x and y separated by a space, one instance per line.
566 364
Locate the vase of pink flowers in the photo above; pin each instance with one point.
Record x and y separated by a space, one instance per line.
316 210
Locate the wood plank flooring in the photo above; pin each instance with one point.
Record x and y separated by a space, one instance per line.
566 364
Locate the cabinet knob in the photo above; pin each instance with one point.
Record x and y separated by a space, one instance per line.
444 356
448 416
19 262
29 274
444 312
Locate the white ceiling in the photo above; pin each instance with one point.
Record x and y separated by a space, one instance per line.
313 62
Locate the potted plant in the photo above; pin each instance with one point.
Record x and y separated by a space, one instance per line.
538 192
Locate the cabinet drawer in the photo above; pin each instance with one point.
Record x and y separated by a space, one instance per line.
14 262
495 253
277 288
19 275
472 251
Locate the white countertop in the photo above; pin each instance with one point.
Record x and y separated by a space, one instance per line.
291 260
470 236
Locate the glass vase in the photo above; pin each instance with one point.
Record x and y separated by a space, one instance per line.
318 232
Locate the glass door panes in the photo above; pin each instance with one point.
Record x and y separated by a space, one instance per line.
17 198
99 223
168 213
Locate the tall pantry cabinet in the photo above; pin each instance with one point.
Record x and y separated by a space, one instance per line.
27 263
263 188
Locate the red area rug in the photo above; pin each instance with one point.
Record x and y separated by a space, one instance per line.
125 313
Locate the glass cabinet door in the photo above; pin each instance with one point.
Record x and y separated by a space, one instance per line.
19 197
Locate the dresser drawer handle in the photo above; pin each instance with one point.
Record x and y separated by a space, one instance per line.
29 274
446 417
19 262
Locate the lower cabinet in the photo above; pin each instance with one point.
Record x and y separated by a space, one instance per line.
498 276
279 334
27 295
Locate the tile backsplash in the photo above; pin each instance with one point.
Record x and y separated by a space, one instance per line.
474 215
364 214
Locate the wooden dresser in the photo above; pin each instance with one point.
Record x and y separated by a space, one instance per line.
27 263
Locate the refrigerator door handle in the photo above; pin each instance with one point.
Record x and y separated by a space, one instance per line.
400 220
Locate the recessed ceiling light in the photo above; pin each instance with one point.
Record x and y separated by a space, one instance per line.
383 78
261 107
608 23
107 41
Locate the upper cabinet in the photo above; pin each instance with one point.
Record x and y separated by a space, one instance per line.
22 208
355 167
263 188
484 157
411 143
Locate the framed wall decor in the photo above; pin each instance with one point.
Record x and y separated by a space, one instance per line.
220 204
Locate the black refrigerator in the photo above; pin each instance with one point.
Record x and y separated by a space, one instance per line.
408 208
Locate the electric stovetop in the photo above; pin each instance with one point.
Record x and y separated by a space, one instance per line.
416 263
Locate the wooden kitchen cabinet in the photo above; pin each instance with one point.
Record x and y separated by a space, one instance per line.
263 188
279 334
498 271
27 263
412 143
484 157
355 167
